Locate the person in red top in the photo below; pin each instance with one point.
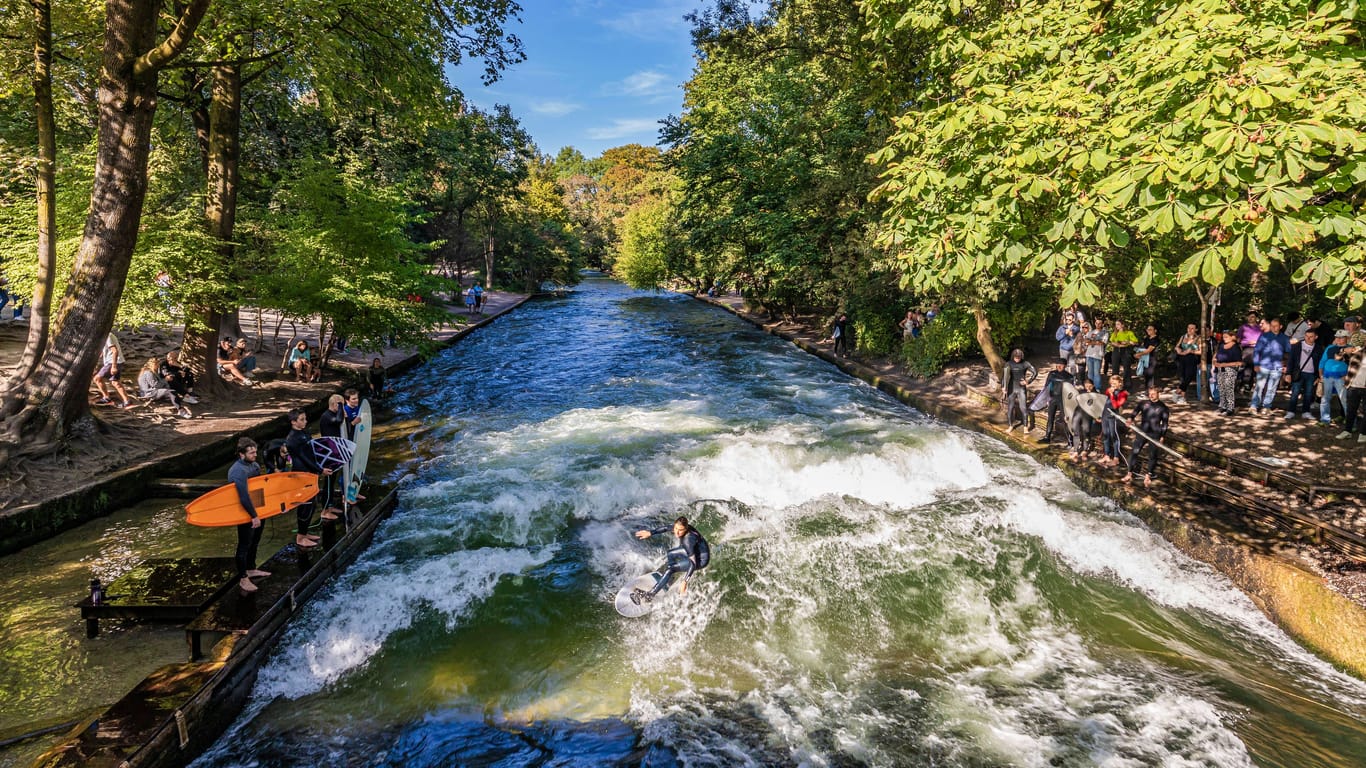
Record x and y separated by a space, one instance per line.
1116 397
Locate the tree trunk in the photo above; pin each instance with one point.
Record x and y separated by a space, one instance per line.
40 412
40 309
488 264
220 206
994 359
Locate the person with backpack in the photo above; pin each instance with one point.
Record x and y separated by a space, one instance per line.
688 555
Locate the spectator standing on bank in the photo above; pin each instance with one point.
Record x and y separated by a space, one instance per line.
376 380
1295 326
1015 389
469 300
1228 362
1333 370
1066 336
1354 401
1248 334
1188 359
1268 361
1302 373
1146 355
1122 342
1095 340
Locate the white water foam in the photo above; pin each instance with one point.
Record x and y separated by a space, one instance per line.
342 631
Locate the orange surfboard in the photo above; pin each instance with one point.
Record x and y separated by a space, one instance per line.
270 494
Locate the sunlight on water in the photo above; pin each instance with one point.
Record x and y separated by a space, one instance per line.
885 590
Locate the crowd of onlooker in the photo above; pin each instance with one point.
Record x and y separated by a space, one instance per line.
1297 367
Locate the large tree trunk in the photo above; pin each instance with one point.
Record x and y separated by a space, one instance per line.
39 413
220 209
994 359
488 264
40 309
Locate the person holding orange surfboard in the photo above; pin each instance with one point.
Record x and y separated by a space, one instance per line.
248 534
300 445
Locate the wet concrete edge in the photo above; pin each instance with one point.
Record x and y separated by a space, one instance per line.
33 523
1298 600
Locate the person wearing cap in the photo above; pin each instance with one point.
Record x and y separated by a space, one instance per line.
1333 370
1354 398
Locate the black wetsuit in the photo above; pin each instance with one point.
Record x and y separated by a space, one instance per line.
686 556
1054 384
248 538
301 453
330 423
1152 421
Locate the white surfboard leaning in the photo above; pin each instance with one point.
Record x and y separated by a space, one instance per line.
355 470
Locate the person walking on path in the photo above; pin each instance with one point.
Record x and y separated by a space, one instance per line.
249 533
110 368
1151 418
469 300
1015 389
840 335
1268 361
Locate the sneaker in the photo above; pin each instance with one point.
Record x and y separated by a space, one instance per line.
1326 421
1344 435
1290 414
1362 438
104 401
1306 415
184 413
192 400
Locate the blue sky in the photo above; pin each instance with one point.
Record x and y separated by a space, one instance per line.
598 73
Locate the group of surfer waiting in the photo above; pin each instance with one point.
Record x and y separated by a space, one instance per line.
1080 409
293 453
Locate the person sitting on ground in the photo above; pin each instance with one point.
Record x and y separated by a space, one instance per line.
249 533
301 362
688 555
178 377
376 380
1302 372
153 388
1188 359
245 357
1053 383
1115 398
110 368
227 363
1333 370
1150 418
1018 373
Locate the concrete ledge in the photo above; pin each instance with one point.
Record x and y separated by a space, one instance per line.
1300 602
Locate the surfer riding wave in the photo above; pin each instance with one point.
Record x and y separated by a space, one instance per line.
688 555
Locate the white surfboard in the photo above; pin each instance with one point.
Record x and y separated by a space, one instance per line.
354 475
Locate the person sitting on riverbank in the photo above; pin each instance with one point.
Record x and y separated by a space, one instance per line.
248 534
178 377
110 368
227 363
1151 418
244 357
153 388
301 362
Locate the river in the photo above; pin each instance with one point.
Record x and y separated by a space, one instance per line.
885 590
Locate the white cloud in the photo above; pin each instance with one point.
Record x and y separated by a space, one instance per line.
662 21
641 84
555 108
624 128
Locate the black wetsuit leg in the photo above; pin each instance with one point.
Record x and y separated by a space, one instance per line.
248 539
676 566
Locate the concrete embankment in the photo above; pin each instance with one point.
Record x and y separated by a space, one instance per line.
1263 566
